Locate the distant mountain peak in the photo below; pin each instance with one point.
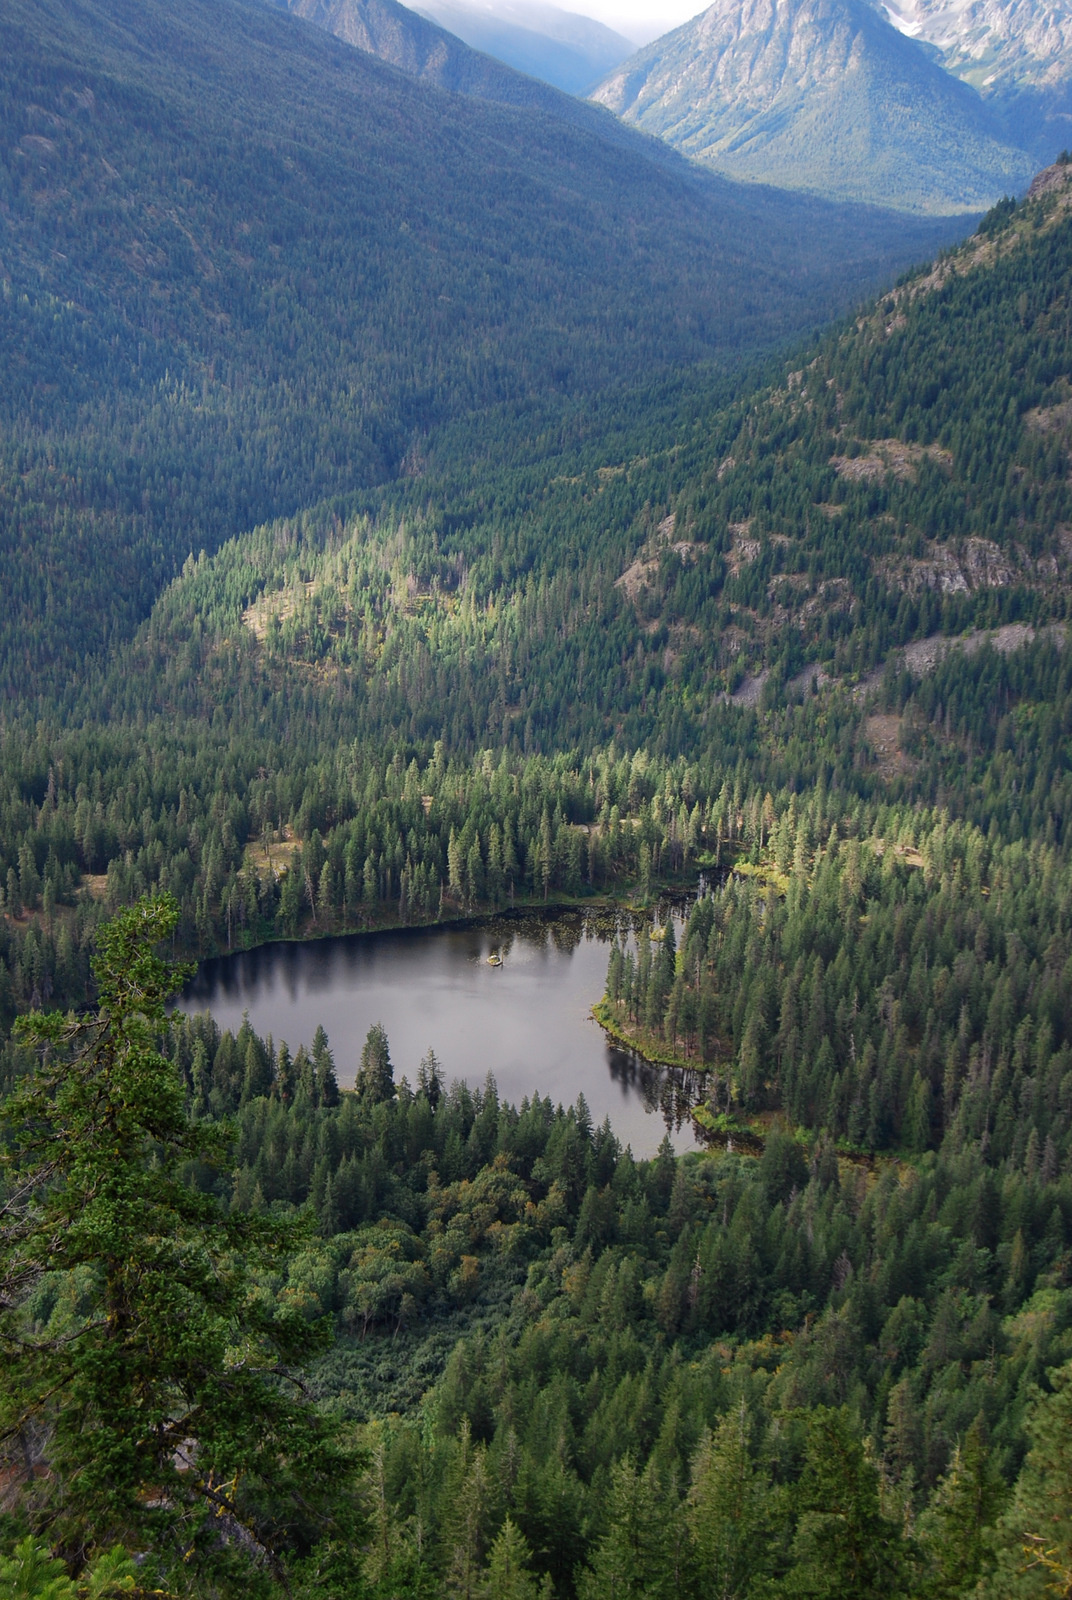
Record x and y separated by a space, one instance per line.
825 95
985 40
563 48
1017 53
423 49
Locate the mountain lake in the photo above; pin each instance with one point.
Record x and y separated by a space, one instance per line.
510 996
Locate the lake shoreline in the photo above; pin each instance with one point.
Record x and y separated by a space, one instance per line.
527 1021
644 1045
476 919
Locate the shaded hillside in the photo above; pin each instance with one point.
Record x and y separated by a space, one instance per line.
474 52
246 266
823 95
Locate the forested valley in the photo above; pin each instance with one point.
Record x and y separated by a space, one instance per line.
246 267
566 593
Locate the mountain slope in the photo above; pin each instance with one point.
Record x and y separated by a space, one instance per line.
419 47
245 266
900 498
1016 53
823 95
570 51
899 493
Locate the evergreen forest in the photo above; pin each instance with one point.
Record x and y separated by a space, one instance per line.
579 558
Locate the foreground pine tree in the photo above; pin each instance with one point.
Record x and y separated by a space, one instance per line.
955 1528
146 1393
844 1545
732 1512
1035 1534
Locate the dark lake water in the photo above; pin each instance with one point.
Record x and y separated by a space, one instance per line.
527 1022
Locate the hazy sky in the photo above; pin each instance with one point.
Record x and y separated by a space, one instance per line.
639 20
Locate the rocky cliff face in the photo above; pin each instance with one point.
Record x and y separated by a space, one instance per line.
1017 53
823 95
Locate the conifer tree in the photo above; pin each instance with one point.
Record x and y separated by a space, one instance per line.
327 1087
1035 1534
156 1395
508 1575
843 1545
730 1509
639 1555
430 1078
468 1510
375 1074
953 1529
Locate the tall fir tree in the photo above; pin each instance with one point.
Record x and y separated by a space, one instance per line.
153 1404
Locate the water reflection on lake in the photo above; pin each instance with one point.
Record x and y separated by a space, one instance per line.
527 1021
